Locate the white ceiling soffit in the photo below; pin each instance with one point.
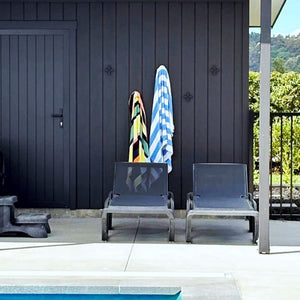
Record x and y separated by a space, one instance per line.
254 10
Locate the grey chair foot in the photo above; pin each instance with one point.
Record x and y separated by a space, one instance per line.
172 230
255 229
188 229
104 236
109 221
104 227
251 224
188 238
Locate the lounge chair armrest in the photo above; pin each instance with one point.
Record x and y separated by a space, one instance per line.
190 196
170 200
189 201
107 200
170 195
252 201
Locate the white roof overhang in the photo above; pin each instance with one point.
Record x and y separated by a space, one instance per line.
254 11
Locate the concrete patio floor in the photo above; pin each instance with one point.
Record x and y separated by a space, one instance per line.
221 263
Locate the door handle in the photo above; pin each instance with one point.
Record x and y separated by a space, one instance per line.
60 115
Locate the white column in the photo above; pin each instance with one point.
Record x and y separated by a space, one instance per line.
264 128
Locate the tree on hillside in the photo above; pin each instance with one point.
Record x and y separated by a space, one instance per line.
293 64
285 52
278 65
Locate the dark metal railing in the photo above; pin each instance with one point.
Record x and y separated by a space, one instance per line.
284 163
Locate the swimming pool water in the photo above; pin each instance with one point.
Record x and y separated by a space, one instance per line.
87 297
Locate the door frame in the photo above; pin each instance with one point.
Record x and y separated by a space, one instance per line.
68 30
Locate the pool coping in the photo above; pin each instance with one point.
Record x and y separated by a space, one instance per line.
189 284
85 289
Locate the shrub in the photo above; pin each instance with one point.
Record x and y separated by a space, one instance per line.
285 97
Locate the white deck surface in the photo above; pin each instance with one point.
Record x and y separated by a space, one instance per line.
221 263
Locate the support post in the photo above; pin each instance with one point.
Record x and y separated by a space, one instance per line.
264 128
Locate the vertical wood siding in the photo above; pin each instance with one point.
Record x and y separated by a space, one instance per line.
31 88
119 47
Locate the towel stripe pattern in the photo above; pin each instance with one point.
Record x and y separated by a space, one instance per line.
162 126
138 147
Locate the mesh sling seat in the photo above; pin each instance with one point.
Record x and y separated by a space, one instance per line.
31 224
139 188
221 189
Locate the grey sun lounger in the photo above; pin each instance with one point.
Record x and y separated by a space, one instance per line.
139 188
32 224
221 189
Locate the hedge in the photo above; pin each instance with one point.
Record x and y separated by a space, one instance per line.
285 97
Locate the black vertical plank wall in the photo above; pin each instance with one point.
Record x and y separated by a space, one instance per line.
49 96
227 83
201 81
148 58
109 95
119 45
238 84
83 106
214 81
23 108
122 81
40 92
13 108
31 112
96 87
188 98
175 73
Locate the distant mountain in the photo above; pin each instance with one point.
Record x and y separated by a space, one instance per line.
285 52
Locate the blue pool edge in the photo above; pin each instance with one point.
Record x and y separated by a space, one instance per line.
134 290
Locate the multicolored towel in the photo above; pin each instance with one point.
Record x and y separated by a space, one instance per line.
162 126
138 147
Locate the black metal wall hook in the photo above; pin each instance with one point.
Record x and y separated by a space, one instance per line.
109 70
188 96
214 70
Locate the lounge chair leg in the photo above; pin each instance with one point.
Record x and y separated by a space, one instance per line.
251 224
188 229
255 229
109 221
104 227
172 230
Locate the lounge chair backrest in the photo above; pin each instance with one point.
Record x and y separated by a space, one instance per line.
220 180
140 178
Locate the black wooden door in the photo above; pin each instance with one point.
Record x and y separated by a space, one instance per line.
33 79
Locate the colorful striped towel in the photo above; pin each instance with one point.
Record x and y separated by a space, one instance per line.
138 147
162 126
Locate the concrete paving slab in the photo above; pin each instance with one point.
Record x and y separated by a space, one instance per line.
153 229
284 233
66 230
221 258
220 231
64 257
205 231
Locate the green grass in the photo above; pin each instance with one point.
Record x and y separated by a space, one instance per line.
276 179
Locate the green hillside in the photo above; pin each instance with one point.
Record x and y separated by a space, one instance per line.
285 52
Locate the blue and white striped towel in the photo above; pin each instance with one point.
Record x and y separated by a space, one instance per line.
162 126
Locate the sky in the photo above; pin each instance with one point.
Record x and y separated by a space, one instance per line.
288 21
